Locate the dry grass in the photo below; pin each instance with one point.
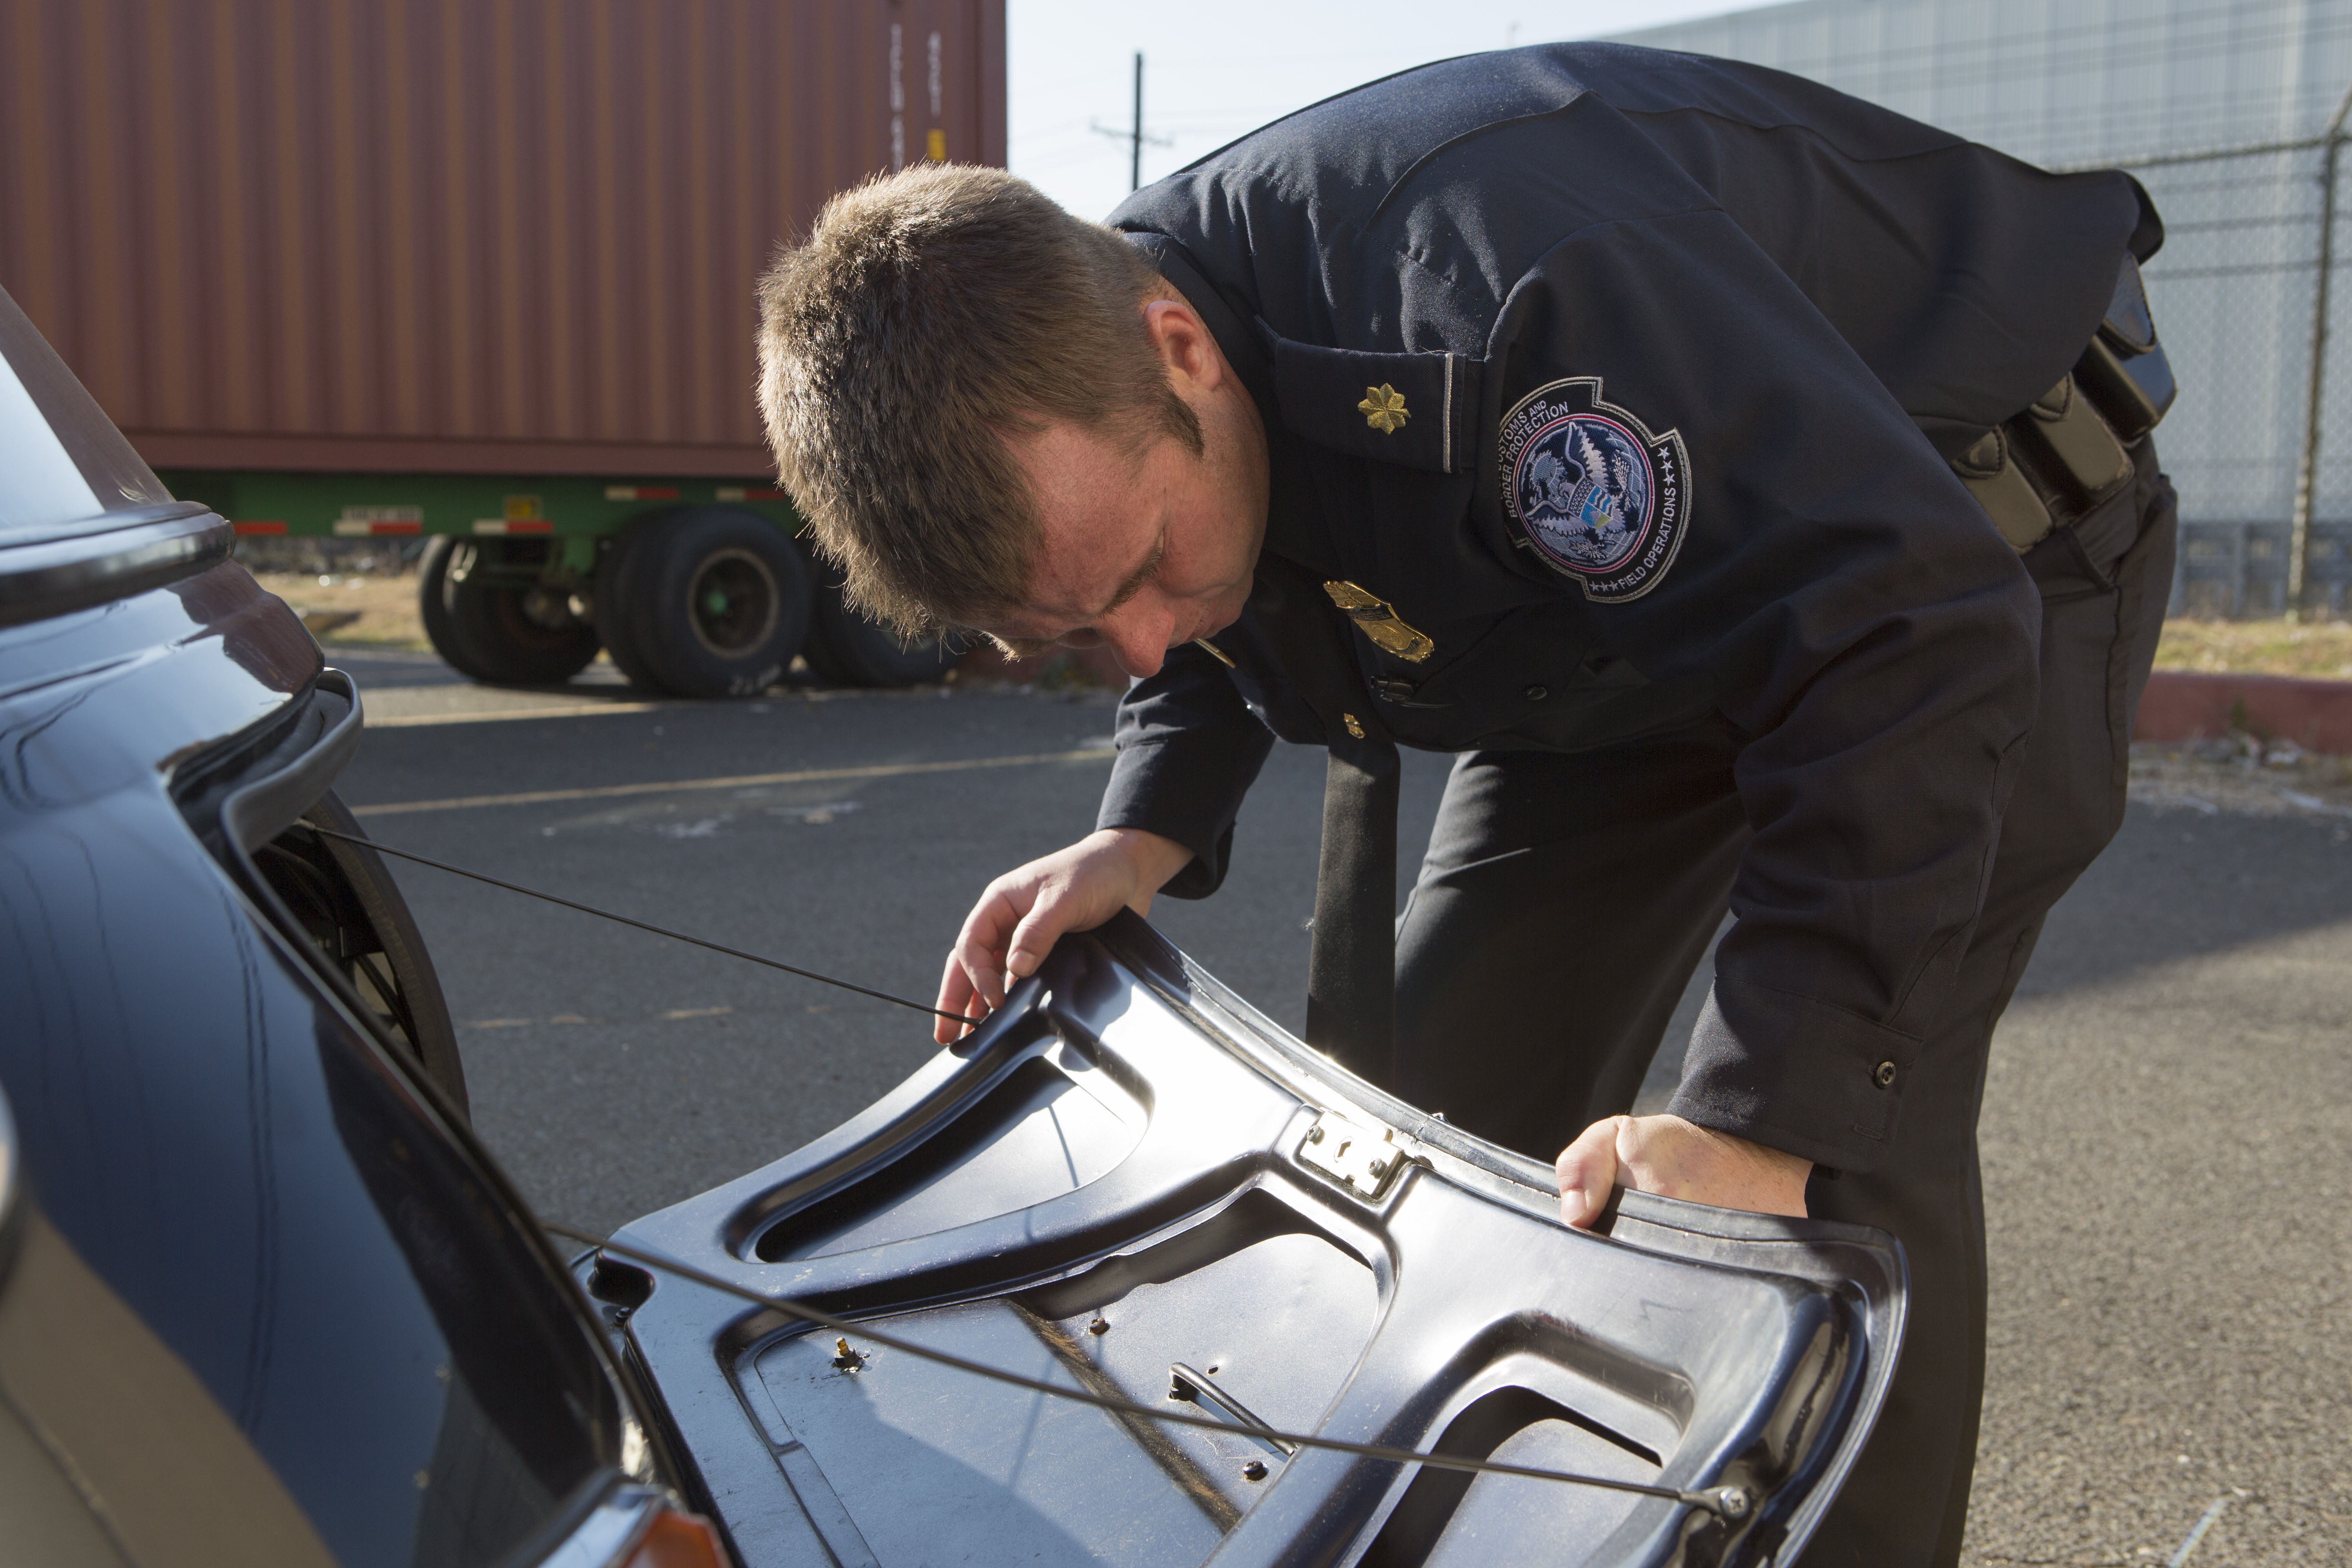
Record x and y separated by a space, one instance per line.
2258 648
2242 774
384 606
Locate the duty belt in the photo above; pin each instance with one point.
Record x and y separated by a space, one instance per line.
2068 450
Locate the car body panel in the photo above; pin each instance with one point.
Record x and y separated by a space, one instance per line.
1119 1178
267 1187
224 1174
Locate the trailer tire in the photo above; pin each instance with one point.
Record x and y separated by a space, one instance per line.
614 602
504 636
716 601
846 649
433 608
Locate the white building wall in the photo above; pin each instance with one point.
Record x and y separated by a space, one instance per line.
2068 83
2061 81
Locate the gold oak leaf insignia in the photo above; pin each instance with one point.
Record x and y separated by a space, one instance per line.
1383 408
1378 619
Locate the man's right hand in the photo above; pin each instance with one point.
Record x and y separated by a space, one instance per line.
1023 914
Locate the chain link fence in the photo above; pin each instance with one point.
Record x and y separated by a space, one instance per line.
2257 442
2218 107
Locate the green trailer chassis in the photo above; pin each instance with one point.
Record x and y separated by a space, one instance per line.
695 587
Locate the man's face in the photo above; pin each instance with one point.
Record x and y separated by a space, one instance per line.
1143 553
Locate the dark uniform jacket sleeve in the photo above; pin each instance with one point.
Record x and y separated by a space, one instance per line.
1189 749
1862 625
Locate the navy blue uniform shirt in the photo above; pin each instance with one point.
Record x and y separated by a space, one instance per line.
1628 380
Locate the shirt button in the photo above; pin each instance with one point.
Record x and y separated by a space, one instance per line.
1534 693
1884 1074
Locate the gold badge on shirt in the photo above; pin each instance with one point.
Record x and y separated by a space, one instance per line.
1378 620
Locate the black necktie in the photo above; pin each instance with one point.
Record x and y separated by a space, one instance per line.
1352 967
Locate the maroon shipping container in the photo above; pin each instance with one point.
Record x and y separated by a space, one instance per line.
449 236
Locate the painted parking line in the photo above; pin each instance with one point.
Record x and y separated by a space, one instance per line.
738 781
2204 1524
495 715
674 1015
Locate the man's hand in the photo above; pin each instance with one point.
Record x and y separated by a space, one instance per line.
1677 1159
1023 914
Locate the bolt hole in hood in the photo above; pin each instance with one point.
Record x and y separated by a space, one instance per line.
1111 1187
262 1298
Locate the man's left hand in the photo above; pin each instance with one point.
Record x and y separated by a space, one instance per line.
1677 1159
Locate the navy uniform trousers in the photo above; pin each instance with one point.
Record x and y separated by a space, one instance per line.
1566 899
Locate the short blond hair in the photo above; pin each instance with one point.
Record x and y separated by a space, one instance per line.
929 314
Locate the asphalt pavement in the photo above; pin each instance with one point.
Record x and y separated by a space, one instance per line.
2167 1134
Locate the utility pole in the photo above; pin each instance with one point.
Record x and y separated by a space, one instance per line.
2307 475
1132 132
1135 157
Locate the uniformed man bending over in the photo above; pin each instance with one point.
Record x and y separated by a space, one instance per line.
1749 486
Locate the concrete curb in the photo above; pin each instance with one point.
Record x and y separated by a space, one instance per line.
2180 706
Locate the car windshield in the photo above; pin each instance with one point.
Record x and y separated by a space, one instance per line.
61 460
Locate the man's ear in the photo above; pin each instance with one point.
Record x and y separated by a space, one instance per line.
1183 343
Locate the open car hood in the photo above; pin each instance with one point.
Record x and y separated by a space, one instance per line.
1131 1182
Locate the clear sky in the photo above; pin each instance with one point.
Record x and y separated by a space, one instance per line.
1215 69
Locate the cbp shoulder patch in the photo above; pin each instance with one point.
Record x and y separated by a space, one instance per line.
1591 492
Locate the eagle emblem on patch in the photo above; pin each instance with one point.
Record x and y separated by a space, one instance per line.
1591 492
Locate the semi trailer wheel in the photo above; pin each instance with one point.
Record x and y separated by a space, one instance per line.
706 601
506 631
848 650
433 608
614 600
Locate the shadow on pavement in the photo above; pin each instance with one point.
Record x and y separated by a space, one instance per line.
2180 884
